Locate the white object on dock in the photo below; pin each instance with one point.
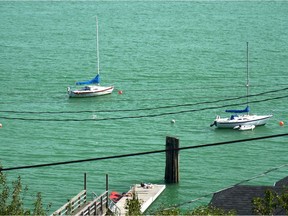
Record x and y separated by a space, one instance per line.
146 195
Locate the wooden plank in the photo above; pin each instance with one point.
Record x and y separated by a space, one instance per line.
146 195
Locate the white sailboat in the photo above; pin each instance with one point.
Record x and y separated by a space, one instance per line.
241 119
91 87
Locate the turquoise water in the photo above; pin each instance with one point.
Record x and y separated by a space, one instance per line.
169 59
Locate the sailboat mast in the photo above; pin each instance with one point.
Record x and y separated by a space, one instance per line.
97 43
247 84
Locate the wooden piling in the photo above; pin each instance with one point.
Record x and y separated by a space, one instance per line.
85 181
107 183
172 160
107 189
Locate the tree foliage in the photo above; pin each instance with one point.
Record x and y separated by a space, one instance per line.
270 202
11 198
133 205
200 210
210 210
38 206
167 211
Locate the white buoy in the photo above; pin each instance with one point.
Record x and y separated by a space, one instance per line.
0 125
173 121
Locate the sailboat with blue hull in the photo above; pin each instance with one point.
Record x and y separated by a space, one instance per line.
91 87
241 119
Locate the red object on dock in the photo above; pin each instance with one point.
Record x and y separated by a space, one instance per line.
115 196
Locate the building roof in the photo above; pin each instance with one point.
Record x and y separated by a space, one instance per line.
239 198
282 183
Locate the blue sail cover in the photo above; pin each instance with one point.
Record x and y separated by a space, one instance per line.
246 110
95 80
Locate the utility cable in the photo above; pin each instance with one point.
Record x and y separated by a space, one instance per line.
143 109
197 88
142 116
141 153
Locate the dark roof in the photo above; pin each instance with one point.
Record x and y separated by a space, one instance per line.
239 198
282 183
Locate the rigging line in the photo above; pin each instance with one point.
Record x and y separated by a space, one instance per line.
143 109
143 153
141 116
239 183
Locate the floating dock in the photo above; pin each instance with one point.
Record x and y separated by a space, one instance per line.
147 195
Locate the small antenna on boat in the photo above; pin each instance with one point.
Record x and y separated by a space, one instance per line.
247 84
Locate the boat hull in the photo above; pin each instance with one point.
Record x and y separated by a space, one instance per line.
241 120
90 91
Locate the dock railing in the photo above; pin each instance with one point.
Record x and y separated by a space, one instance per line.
73 205
98 206
114 208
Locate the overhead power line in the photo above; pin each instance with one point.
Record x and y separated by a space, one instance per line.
142 116
144 109
227 85
140 153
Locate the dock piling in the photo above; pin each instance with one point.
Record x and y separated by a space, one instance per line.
85 181
172 160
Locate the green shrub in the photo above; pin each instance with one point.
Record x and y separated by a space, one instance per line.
11 199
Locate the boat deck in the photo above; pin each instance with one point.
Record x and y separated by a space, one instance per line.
147 195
